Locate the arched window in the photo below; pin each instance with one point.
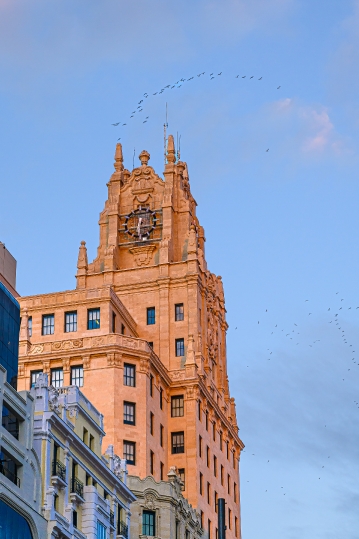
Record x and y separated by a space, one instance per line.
12 524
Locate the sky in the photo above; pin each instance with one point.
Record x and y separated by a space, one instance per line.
273 165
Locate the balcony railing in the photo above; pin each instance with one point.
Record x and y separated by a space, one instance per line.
77 487
8 473
58 469
122 529
112 518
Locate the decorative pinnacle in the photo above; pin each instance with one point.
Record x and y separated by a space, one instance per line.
118 164
144 157
171 154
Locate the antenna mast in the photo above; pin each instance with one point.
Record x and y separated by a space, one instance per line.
165 125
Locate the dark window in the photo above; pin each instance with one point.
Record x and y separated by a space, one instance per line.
10 422
129 452
215 501
229 483
215 466
48 324
113 322
151 385
85 436
221 441
123 329
177 406
151 423
209 529
208 493
74 518
207 421
9 468
129 413
236 526
235 491
77 376
200 445
29 326
93 318
182 475
161 470
149 523
152 465
179 347
177 442
214 430
129 375
92 443
199 410
227 449
200 483
161 398
161 435
207 456
179 312
88 480
33 377
202 519
234 460
229 518
177 535
188 534
222 475
70 322
57 377
150 344
56 502
151 316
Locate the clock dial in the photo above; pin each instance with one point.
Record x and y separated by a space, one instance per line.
140 223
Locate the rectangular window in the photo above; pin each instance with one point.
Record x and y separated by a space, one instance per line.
33 377
234 460
129 375
199 409
229 484
57 377
85 436
202 519
149 523
177 442
74 518
48 324
236 526
29 326
179 312
181 473
222 475
129 413
229 518
161 398
179 348
70 322
227 449
123 329
209 529
10 422
151 385
113 322
214 430
215 501
93 318
150 344
77 376
152 464
161 435
215 466
207 421
235 491
188 534
151 423
151 316
129 452
200 483
200 445
208 493
161 470
207 456
92 443
221 441
177 406
101 531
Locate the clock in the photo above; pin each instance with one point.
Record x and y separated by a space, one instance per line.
140 223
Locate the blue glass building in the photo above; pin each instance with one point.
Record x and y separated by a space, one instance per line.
9 334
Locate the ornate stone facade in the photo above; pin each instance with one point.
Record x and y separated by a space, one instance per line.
162 314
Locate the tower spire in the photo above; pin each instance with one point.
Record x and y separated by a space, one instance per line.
118 164
171 153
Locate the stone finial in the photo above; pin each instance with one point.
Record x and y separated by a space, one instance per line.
172 474
82 258
118 164
144 157
171 153
190 360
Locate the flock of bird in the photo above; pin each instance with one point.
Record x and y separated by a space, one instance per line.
338 324
168 87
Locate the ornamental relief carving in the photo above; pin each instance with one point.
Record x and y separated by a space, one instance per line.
36 349
178 375
143 254
67 345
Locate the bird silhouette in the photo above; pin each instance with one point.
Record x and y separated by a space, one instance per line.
278 87
116 124
267 150
244 77
252 77
260 78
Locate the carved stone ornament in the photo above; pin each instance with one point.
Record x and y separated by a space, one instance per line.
21 370
119 466
67 345
142 254
129 343
97 341
178 375
54 400
73 411
114 359
150 501
36 349
86 360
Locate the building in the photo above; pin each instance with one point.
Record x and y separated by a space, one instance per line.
146 329
161 510
84 492
9 316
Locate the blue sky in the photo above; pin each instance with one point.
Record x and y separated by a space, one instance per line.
281 226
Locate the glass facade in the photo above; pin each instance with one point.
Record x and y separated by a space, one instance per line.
12 524
9 334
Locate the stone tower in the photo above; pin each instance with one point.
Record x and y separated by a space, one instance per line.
146 328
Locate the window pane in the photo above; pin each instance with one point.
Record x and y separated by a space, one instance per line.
77 376
129 375
148 523
181 473
151 316
29 326
129 410
48 324
34 375
177 442
179 347
129 452
101 530
93 319
57 377
70 321
177 406
179 312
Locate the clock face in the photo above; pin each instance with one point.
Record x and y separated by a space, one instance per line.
140 223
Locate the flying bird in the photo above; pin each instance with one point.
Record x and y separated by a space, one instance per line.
116 124
260 78
252 77
278 87
244 77
220 73
267 150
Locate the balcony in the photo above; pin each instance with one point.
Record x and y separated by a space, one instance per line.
77 491
58 477
122 530
12 475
